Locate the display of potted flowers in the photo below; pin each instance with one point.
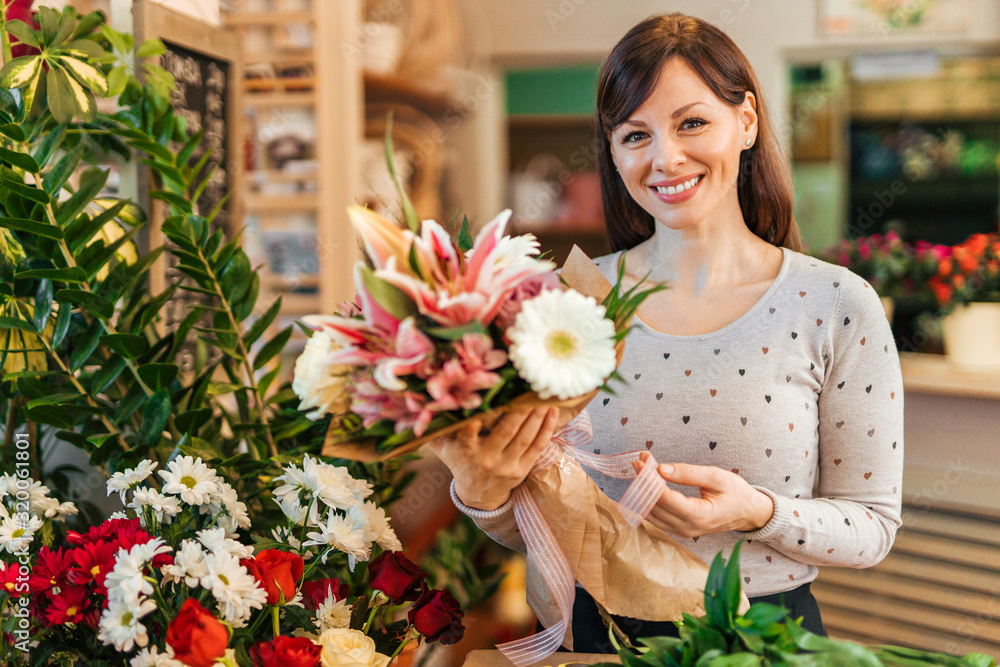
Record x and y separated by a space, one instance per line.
174 581
966 285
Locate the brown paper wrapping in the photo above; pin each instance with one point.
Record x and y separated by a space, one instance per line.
639 573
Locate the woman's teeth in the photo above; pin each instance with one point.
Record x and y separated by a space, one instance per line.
672 190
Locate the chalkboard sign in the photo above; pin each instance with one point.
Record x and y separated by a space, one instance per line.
199 96
205 62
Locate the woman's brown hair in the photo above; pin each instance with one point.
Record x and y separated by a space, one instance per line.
628 77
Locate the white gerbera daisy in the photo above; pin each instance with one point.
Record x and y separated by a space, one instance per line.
333 613
341 533
318 383
164 507
215 540
188 565
126 582
190 479
16 535
562 344
230 514
151 657
120 624
233 586
127 479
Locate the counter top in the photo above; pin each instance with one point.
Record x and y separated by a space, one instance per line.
934 374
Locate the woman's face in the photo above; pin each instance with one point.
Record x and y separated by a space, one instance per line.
679 153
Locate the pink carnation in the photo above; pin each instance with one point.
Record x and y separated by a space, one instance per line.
526 290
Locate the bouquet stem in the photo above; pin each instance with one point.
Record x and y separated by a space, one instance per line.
275 611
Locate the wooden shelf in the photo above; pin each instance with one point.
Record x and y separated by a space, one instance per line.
300 202
280 84
281 176
274 19
272 99
285 58
934 374
383 88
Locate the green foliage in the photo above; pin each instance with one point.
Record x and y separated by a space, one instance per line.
764 637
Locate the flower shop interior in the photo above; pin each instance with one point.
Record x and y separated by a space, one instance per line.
889 113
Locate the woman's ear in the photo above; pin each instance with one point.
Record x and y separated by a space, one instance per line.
748 116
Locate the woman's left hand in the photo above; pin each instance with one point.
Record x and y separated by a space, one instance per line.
727 502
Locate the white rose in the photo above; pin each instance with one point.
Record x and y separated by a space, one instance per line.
318 384
343 647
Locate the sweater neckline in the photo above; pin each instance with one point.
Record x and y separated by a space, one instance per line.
786 261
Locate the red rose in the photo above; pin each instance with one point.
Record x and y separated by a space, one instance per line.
286 652
437 616
397 576
198 638
278 572
316 592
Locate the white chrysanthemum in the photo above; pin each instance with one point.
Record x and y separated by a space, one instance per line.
233 587
16 535
164 507
7 483
188 565
225 506
373 520
340 533
319 384
562 344
126 582
120 624
120 514
289 537
334 484
127 479
151 657
190 479
215 540
61 511
333 613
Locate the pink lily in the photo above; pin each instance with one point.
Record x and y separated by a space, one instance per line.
382 238
454 387
413 352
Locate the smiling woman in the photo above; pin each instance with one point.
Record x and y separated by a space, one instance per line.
761 370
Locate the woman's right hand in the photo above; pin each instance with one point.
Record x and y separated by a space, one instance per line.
487 468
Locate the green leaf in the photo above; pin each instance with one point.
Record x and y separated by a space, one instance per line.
20 160
80 232
88 47
731 585
261 325
91 183
158 376
63 319
12 131
465 240
178 202
86 75
87 23
65 26
19 72
456 333
409 212
392 299
86 345
106 374
62 95
272 348
96 255
117 81
53 415
192 420
64 168
16 323
24 32
153 149
129 346
219 388
151 48
154 418
88 300
73 274
43 304
32 227
115 38
21 188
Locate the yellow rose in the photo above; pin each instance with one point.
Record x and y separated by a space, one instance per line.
343 647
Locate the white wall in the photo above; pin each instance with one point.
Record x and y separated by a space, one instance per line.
770 32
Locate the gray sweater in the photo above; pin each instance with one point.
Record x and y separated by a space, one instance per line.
802 393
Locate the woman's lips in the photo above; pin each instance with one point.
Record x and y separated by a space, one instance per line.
679 196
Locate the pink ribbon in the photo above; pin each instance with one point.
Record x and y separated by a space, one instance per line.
542 547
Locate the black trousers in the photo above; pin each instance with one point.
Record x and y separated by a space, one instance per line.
591 636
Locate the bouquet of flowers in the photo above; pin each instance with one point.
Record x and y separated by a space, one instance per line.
443 331
967 272
169 582
886 262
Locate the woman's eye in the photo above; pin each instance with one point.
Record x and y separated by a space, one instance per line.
692 123
633 137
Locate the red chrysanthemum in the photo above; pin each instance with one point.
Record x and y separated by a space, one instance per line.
68 606
50 571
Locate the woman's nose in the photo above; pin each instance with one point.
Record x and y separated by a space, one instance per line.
668 153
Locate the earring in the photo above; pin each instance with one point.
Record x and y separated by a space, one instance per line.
749 141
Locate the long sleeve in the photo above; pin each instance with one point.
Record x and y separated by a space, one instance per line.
854 520
498 524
